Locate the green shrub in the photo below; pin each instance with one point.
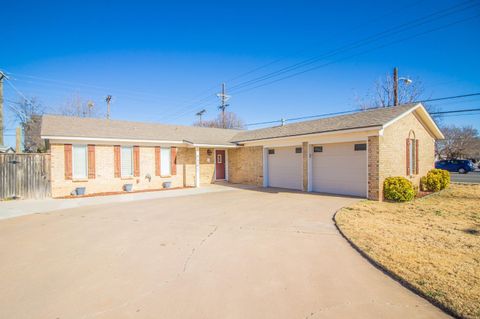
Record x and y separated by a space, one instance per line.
423 184
436 180
398 189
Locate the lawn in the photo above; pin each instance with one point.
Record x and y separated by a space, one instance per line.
433 243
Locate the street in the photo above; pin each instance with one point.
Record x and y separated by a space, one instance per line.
472 177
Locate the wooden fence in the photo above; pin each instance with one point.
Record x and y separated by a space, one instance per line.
24 176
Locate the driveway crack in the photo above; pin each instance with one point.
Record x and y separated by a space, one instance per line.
194 249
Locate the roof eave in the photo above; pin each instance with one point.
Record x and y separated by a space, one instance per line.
426 118
140 141
108 139
339 131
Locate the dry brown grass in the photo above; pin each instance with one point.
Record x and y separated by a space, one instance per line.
433 243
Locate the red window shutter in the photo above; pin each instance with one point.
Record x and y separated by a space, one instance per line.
68 161
116 160
136 161
157 160
416 157
408 156
91 161
173 159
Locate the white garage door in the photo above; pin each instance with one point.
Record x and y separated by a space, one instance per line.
285 168
340 168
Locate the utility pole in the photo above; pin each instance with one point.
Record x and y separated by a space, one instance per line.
395 86
18 140
1 107
224 98
199 114
108 99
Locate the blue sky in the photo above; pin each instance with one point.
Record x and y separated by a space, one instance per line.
163 61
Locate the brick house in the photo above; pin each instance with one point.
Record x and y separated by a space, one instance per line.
348 154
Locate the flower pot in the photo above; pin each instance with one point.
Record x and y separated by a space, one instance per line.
128 187
80 191
167 184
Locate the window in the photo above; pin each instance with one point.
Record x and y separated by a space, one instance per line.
79 161
126 161
318 149
165 165
412 157
361 147
271 152
298 150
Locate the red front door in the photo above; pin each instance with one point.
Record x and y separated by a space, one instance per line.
220 164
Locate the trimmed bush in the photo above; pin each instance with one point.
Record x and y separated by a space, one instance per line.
437 179
398 189
423 184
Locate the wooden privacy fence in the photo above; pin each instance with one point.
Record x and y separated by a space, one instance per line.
24 175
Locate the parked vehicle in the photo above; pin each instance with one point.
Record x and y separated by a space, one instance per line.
461 166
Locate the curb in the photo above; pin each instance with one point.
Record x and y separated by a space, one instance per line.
394 276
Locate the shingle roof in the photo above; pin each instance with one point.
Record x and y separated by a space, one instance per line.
68 126
363 119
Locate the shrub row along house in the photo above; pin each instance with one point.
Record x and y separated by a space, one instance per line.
349 154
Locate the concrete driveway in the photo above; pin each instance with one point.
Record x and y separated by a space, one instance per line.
232 254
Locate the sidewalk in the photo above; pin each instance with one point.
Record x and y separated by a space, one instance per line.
14 208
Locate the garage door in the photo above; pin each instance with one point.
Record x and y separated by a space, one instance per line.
285 167
340 168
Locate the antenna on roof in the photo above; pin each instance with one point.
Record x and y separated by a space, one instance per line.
199 114
90 106
108 99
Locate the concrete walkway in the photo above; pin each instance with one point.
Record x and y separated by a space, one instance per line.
221 254
14 208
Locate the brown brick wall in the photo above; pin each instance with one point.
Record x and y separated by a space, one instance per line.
104 166
207 166
245 165
391 154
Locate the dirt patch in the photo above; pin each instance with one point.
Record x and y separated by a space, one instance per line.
432 243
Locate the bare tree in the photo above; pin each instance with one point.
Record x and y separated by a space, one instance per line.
24 109
28 114
459 142
382 94
232 121
77 106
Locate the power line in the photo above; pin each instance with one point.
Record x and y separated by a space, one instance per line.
357 110
455 111
355 27
387 33
311 59
354 55
75 85
357 54
450 97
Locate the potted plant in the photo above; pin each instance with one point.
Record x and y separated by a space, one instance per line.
79 191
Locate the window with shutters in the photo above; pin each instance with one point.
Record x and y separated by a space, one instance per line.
79 161
126 161
165 158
